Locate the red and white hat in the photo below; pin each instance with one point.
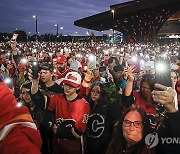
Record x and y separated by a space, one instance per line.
73 79
61 59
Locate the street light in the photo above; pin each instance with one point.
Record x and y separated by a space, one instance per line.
57 28
113 23
28 36
36 27
61 28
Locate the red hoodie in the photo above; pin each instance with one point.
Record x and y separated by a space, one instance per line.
18 133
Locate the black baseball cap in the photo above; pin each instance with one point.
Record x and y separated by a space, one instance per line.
47 66
118 68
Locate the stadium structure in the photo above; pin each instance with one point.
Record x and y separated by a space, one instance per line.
138 20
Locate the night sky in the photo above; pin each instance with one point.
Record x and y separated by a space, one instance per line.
18 14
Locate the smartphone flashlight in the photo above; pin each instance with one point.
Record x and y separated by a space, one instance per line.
24 60
85 68
163 72
35 63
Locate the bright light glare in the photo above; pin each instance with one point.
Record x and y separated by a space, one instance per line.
141 54
106 52
34 50
142 61
34 63
160 67
85 68
19 104
7 80
112 49
147 56
24 60
134 59
91 57
79 55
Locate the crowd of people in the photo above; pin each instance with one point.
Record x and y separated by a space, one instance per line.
91 98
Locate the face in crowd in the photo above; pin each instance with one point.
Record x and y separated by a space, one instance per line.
69 90
145 90
95 73
147 86
174 77
46 75
132 127
96 93
25 92
61 67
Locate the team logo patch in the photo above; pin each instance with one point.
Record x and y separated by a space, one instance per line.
85 118
65 122
96 125
70 76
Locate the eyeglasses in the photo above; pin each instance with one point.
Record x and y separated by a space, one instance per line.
137 124
68 86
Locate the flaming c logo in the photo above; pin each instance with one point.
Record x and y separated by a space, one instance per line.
70 76
151 140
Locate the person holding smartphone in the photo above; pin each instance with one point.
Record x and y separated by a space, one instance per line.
142 98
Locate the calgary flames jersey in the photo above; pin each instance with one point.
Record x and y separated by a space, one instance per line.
76 110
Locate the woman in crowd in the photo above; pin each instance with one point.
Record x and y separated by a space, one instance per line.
130 134
100 123
26 97
142 98
133 128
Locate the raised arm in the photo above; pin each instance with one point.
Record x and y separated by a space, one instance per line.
129 85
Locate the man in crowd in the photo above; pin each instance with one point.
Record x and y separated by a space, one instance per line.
71 113
47 85
61 67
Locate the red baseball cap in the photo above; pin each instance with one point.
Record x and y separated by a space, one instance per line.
61 59
73 79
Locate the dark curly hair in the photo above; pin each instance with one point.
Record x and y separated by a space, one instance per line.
103 95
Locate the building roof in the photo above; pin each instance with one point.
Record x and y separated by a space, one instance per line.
137 20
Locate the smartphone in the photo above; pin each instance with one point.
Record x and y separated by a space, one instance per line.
35 69
14 37
136 65
91 61
163 72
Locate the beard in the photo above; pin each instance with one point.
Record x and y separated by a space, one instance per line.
61 69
